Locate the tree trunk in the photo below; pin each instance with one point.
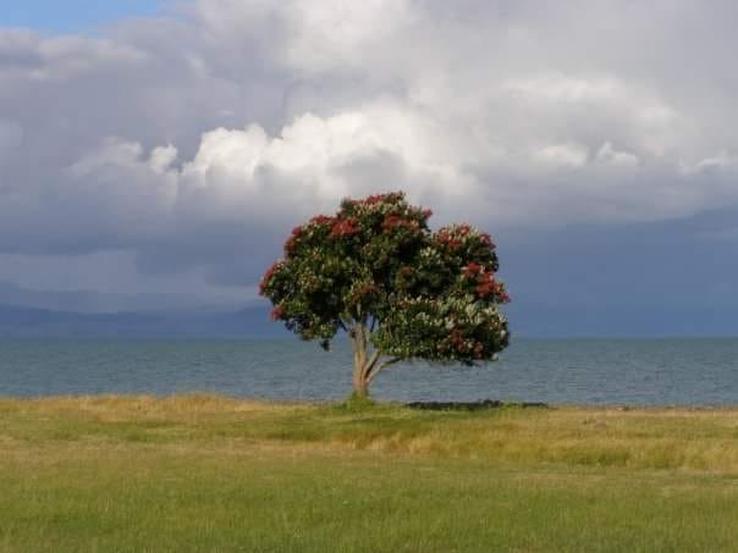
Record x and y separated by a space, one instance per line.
359 341
367 363
361 385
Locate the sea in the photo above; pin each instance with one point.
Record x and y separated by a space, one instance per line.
637 372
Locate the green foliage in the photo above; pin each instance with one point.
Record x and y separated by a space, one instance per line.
429 295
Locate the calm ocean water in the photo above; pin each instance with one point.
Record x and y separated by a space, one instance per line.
638 372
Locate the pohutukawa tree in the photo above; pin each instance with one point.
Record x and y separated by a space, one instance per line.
400 291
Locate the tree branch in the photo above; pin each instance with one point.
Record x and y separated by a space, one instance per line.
379 368
373 361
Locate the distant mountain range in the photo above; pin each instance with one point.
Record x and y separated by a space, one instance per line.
529 320
26 322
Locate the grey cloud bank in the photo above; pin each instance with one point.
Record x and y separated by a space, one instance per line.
190 143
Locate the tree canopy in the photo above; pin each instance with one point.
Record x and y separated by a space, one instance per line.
401 291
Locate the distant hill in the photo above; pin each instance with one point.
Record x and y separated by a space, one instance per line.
526 320
25 322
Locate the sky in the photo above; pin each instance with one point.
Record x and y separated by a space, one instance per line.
72 16
154 155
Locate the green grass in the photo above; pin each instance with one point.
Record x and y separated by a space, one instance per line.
212 474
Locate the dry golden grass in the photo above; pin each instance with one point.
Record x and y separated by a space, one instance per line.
674 438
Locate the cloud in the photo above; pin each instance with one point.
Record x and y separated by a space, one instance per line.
194 140
11 137
240 185
563 155
608 155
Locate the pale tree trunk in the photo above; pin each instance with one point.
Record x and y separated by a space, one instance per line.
365 362
368 363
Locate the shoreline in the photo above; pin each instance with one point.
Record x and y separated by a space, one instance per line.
422 405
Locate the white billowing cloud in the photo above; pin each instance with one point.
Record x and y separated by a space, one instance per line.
63 57
308 36
193 138
564 155
720 163
162 158
558 88
325 35
248 178
609 155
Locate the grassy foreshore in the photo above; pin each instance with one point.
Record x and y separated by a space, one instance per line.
211 474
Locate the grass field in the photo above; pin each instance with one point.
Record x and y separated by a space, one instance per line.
212 474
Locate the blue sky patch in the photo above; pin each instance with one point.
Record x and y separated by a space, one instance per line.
72 15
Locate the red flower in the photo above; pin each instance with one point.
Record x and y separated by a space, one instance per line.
486 240
472 270
478 350
291 243
447 239
322 220
344 227
268 276
375 199
457 339
382 198
391 222
277 313
364 291
487 285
